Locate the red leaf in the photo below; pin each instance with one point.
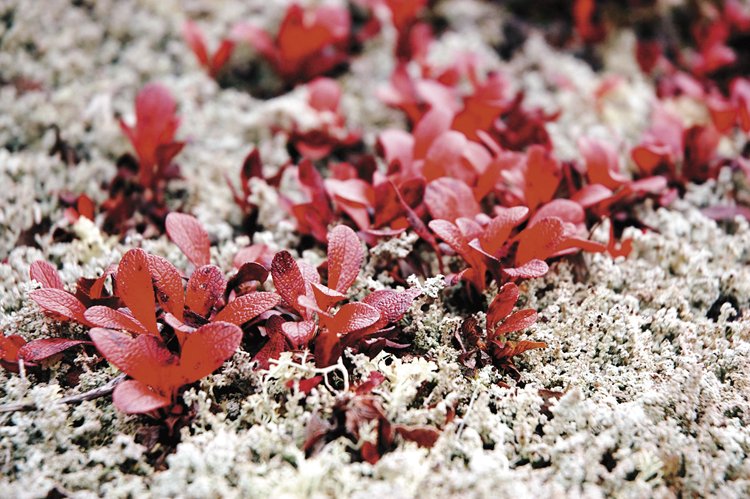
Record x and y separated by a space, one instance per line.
325 297
134 397
448 199
529 270
424 436
540 241
287 278
353 317
299 334
305 385
144 358
206 349
194 38
113 319
247 307
190 236
517 321
274 346
374 380
564 209
204 288
135 289
60 304
500 227
39 350
46 275
501 306
542 176
392 305
168 284
344 258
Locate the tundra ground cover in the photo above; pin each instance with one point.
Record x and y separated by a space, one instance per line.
435 247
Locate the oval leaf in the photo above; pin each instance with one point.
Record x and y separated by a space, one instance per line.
344 258
135 289
247 307
190 236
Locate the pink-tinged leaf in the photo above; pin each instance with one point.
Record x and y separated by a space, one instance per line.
39 350
135 289
501 305
144 357
543 176
345 257
433 124
650 185
592 194
374 380
275 345
168 283
114 319
424 436
448 199
204 288
517 322
392 305
60 304
206 349
353 317
287 278
299 334
133 397
194 38
498 230
46 275
326 297
247 307
540 241
529 270
190 236
324 94
449 233
564 209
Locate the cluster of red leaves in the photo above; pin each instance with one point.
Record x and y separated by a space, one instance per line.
163 334
166 335
137 192
357 408
363 326
309 43
493 347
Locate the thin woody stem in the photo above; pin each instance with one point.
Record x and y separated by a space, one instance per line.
95 393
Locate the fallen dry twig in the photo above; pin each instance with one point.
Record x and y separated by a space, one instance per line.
71 399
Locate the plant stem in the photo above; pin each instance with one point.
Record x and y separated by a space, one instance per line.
71 399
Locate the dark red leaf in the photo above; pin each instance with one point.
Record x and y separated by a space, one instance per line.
204 288
39 350
424 436
501 306
168 283
517 321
